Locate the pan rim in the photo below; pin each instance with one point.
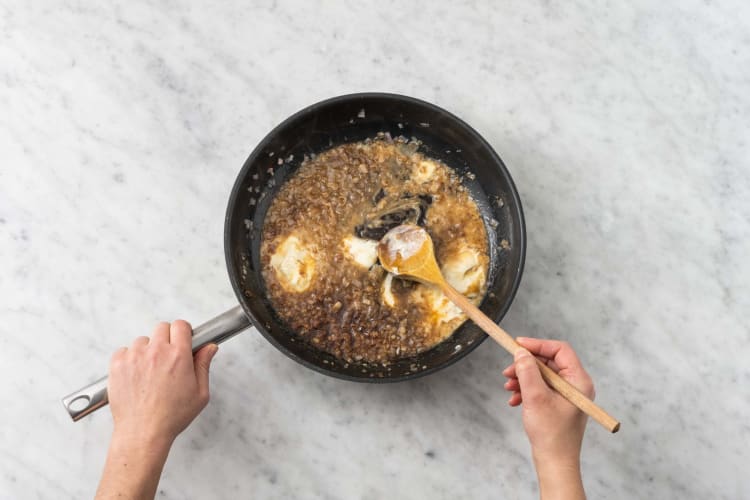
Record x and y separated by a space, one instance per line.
260 147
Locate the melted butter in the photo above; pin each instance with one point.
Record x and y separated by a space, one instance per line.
294 264
363 252
387 291
465 272
441 308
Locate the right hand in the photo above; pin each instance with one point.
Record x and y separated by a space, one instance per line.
554 426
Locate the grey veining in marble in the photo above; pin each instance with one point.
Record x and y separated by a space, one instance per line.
626 126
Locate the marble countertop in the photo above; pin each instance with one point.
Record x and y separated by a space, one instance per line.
625 125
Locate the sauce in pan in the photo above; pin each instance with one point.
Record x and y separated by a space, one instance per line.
319 256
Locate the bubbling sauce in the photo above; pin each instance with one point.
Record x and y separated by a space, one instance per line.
319 250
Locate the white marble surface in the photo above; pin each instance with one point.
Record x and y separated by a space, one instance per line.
624 124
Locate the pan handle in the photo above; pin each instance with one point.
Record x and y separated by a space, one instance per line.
214 331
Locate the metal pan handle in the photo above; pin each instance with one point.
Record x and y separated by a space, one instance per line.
214 331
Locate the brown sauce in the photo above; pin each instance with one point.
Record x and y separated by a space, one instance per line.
356 192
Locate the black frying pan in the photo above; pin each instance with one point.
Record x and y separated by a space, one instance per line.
339 120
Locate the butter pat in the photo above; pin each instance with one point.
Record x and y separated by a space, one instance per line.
294 264
387 293
363 252
465 272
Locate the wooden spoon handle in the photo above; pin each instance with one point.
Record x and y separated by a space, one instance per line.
550 376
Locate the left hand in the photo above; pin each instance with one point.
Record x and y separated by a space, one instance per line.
156 386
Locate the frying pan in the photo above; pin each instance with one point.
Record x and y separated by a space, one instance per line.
329 123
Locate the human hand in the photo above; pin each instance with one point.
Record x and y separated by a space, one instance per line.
156 386
554 426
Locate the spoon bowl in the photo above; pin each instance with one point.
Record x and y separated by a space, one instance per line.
407 250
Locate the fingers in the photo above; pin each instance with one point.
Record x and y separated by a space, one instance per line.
512 385
140 342
550 363
530 380
118 354
161 333
202 362
557 350
560 357
181 334
117 361
543 347
515 399
510 370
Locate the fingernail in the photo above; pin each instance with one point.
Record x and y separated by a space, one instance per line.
521 353
214 349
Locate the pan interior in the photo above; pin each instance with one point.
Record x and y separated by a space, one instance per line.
351 119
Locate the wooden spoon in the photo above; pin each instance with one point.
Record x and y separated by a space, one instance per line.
407 251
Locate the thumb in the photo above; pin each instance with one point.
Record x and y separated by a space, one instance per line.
533 386
202 363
